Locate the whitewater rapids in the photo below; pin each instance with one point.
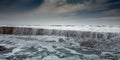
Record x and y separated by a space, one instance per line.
56 48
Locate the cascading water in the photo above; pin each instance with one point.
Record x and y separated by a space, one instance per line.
68 33
27 43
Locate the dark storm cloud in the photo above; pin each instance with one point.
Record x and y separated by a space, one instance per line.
114 4
19 5
79 1
59 5
111 1
74 10
97 8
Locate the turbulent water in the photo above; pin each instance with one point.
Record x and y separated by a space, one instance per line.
57 48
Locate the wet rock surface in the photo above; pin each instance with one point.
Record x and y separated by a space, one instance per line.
2 48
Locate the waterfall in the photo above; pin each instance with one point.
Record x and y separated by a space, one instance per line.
68 33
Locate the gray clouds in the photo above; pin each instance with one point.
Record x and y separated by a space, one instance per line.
70 10
19 5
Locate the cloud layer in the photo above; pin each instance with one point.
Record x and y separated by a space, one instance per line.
19 5
78 10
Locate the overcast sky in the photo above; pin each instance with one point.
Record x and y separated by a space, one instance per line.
60 12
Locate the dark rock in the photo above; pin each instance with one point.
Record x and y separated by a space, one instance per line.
7 30
90 43
2 48
61 40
